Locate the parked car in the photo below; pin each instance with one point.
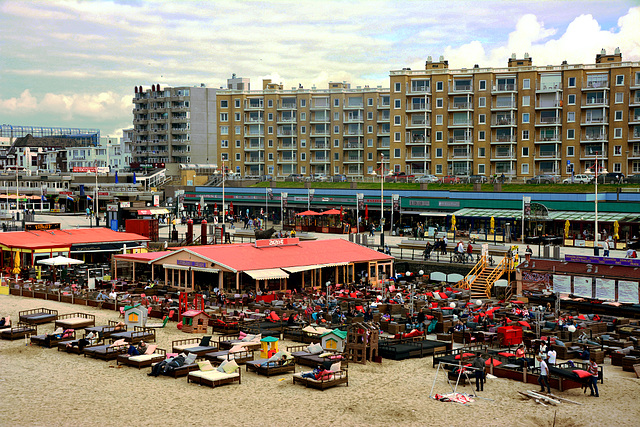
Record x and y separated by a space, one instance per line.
578 179
610 178
294 177
632 179
450 179
476 178
319 177
543 179
399 177
339 178
427 179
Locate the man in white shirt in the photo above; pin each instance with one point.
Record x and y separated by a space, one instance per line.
551 357
605 247
543 378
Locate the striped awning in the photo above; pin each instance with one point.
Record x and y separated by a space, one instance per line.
268 273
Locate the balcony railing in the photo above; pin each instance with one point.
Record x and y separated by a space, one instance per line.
460 139
502 121
418 106
505 87
549 137
461 123
353 159
499 105
287 132
259 146
548 87
594 120
548 154
287 146
596 85
288 105
505 138
353 145
595 101
460 106
549 120
320 146
418 121
593 137
460 88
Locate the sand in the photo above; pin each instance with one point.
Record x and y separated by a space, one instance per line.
41 386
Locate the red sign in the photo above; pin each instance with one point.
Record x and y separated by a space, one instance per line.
103 193
267 243
66 193
81 169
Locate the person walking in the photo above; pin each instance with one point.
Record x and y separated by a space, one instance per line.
593 370
605 247
371 230
543 378
470 252
445 242
527 254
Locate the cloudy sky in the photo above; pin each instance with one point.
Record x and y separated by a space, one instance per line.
75 63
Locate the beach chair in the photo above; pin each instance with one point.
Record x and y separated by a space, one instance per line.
158 325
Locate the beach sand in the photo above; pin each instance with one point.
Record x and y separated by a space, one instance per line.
45 387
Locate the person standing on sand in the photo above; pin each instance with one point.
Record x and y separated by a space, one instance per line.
593 370
543 378
479 364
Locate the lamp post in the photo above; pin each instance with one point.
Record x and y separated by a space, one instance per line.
382 200
310 194
282 197
596 250
224 172
96 191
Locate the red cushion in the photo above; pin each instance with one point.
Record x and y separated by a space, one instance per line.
582 317
434 305
429 317
581 373
517 302
449 289
506 354
464 355
495 362
524 323
446 308
353 295
443 295
359 308
429 294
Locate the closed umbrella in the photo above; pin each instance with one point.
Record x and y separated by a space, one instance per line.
492 225
453 223
16 263
566 229
616 227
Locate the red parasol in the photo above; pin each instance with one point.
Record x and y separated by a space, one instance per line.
341 213
230 208
366 211
215 207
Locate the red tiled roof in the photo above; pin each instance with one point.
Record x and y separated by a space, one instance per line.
65 238
245 256
578 268
144 257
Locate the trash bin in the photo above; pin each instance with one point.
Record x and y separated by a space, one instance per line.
596 251
545 252
556 252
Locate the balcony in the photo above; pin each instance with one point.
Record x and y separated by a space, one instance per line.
320 146
287 132
634 102
255 105
418 156
596 85
383 145
503 121
353 145
352 159
254 146
546 155
316 159
418 106
544 104
595 102
285 146
461 139
504 154
497 139
251 120
460 106
316 118
420 88
354 119
542 121
287 120
634 136
634 119
383 131
458 156
287 159
384 117
418 140
546 138
321 133
591 155
359 106
384 105
460 123
460 88
593 137
254 132
496 106
353 132
634 155
594 121
253 159
419 122
505 88
548 87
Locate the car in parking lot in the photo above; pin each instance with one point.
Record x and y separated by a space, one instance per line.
450 179
427 179
294 177
611 178
543 179
339 178
632 179
399 177
578 179
476 178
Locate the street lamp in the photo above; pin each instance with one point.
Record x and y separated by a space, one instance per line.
309 196
382 200
224 172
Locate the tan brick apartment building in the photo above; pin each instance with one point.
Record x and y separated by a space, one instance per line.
518 121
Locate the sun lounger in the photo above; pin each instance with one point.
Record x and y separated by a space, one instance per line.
75 321
214 378
105 331
241 357
404 349
303 357
138 334
21 330
143 360
268 368
330 380
105 352
37 316
228 341
196 345
52 340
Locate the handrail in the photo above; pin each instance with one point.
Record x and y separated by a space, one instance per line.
475 271
505 265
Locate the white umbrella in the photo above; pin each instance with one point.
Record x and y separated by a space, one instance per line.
60 260
454 277
437 276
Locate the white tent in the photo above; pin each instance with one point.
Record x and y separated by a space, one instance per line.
60 260
437 276
454 277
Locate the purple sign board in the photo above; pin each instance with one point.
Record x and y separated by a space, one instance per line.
191 263
586 259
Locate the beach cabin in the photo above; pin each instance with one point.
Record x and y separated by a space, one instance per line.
269 347
334 340
135 315
195 322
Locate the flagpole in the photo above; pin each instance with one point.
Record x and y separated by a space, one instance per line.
96 194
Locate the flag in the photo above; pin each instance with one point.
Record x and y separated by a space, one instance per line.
116 177
341 213
44 199
89 198
135 181
230 208
69 198
366 212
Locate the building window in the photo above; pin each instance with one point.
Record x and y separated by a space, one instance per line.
238 130
370 102
396 136
439 136
336 129
481 135
572 82
482 101
482 85
336 143
397 87
370 142
270 103
369 129
571 150
237 103
303 116
303 129
439 103
617 167
270 130
336 102
336 156
571 133
525 117
270 117
224 130
526 100
396 153
224 103
482 119
336 116
617 133
618 116
303 170
571 116
303 156
439 153
270 143
237 117
303 143
224 117
524 169
369 156
439 169
396 120
270 156
439 86
397 104
303 103
481 168
481 152
619 97
619 80
617 150
525 151
224 143
237 157
572 100
438 119
237 143
224 157
369 115
526 84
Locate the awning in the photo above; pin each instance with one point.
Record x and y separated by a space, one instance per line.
268 273
185 267
154 211
553 215
438 214
103 247
300 268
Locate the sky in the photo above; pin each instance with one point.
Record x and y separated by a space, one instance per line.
75 63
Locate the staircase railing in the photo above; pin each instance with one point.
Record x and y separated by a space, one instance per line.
505 265
473 274
508 293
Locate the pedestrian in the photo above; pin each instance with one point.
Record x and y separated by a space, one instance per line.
551 357
593 370
479 366
605 246
543 378
445 242
527 253
371 229
470 251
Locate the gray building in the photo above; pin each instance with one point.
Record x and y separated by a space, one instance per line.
174 125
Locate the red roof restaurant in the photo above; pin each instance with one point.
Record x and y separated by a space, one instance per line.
267 265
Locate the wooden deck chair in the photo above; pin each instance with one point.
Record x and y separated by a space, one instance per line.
158 325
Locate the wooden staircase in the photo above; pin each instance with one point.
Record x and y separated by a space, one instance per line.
482 277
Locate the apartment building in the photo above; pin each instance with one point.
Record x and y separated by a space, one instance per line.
519 121
278 132
174 125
